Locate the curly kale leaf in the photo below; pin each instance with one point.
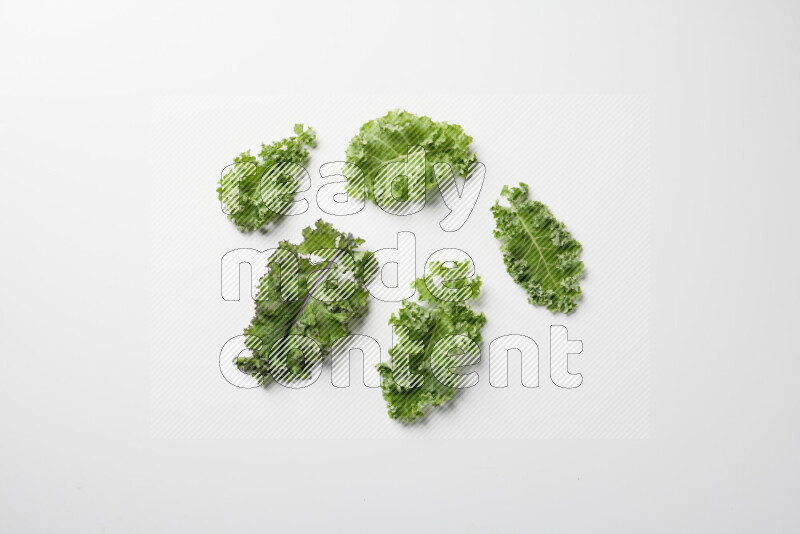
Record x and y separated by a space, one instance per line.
315 289
539 253
423 324
252 204
387 139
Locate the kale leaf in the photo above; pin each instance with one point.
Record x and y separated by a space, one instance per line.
252 204
539 253
300 295
422 325
387 139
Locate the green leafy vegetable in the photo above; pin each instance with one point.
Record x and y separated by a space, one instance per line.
539 253
240 188
301 296
423 325
387 139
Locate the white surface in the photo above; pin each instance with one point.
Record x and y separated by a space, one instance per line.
77 453
586 157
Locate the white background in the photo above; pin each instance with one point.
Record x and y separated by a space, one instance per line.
77 453
587 157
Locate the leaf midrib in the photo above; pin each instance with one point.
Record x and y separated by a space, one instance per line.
533 239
